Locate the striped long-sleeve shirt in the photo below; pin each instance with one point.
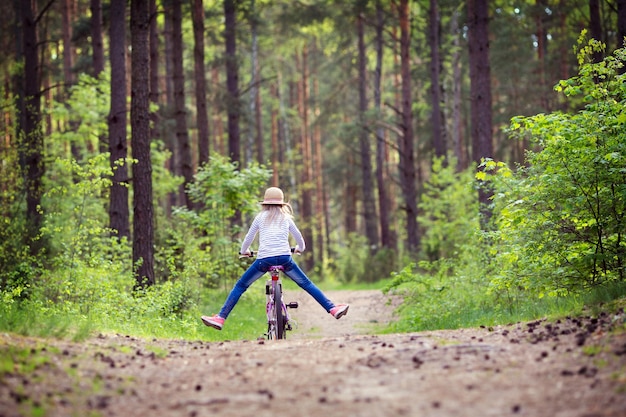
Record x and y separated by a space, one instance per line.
273 237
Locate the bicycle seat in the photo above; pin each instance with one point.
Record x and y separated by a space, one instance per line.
276 268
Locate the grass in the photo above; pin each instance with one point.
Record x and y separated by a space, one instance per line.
23 360
466 307
428 306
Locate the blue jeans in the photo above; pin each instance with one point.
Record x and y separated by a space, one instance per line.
260 267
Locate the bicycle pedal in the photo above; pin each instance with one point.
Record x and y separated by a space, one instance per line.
293 304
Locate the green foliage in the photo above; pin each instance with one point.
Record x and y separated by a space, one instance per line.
558 236
17 266
434 298
164 181
87 283
561 219
224 190
449 205
353 262
84 115
74 211
221 191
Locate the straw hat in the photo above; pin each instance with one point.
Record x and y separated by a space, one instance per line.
274 195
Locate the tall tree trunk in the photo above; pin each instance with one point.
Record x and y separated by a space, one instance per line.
154 72
275 137
542 46
457 81
564 52
306 185
437 118
319 223
595 26
68 56
621 28
97 52
255 138
621 23
480 95
407 168
202 118
96 37
367 185
387 239
218 124
143 230
32 149
351 196
168 130
118 144
67 13
258 117
232 80
180 111
287 138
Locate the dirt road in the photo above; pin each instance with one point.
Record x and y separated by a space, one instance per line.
572 368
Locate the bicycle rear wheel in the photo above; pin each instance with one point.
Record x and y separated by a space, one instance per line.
278 309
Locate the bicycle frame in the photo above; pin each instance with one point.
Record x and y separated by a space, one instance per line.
276 310
277 317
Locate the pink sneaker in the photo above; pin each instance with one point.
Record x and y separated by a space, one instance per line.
339 310
215 321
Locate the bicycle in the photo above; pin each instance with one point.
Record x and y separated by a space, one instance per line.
278 321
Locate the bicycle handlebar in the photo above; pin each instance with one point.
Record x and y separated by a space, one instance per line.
251 254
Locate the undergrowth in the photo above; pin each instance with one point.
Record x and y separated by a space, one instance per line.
434 302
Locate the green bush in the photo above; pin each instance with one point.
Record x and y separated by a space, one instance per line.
561 219
221 191
449 204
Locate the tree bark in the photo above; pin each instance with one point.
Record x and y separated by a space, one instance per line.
387 238
168 128
96 37
457 82
117 120
180 111
232 81
351 193
258 117
306 184
32 149
542 61
408 174
202 118
255 135
367 185
437 117
319 221
595 26
97 53
68 56
621 23
143 228
67 13
480 95
275 137
154 71
218 124
621 28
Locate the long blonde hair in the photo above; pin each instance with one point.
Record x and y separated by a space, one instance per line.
277 212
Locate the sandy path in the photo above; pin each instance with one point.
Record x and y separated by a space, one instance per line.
574 368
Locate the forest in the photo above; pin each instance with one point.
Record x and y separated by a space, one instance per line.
472 153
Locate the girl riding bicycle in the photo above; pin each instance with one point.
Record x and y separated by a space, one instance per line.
273 224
